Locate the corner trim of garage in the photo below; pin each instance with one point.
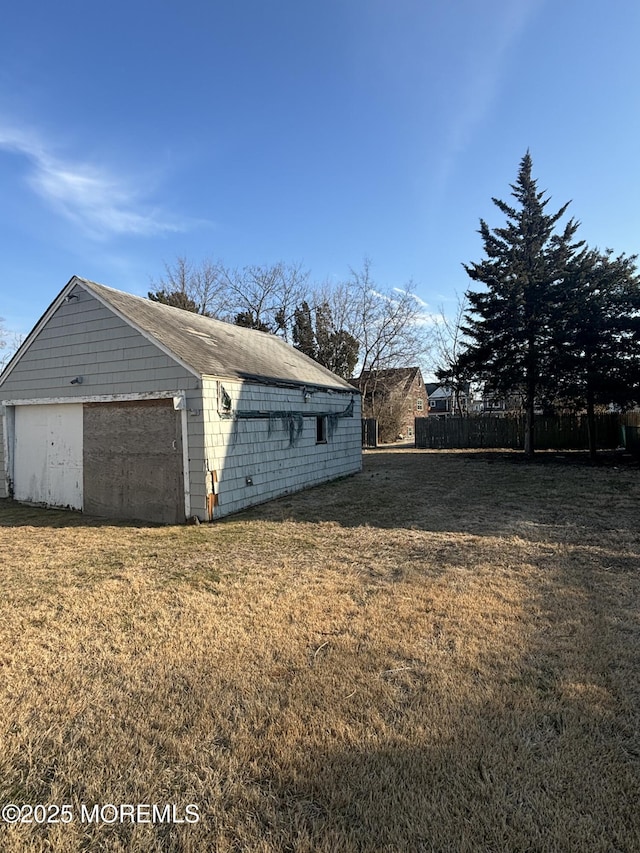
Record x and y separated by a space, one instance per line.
8 430
185 463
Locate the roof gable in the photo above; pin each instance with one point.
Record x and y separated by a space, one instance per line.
446 391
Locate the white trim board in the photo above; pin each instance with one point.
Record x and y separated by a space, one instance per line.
98 398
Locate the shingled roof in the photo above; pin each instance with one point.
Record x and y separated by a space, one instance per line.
387 380
209 347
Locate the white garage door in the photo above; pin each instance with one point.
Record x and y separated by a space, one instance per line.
48 455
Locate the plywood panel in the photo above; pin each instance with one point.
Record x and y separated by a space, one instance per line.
133 461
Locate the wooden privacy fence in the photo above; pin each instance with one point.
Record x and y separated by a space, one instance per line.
631 437
556 432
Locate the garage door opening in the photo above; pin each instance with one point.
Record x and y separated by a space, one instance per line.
133 464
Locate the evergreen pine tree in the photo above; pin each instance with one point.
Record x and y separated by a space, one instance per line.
175 298
304 337
597 341
248 320
510 324
334 348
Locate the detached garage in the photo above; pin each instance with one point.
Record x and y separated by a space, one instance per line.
126 408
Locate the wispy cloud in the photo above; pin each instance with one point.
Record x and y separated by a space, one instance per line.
424 317
413 296
102 203
485 77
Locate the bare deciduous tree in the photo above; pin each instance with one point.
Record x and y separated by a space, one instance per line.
389 325
259 296
199 288
266 297
449 342
9 344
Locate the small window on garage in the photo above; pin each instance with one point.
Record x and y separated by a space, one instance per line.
321 429
419 405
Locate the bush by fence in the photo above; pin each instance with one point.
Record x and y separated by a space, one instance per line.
557 432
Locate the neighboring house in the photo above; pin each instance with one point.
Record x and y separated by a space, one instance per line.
494 404
395 397
442 400
127 408
475 401
497 405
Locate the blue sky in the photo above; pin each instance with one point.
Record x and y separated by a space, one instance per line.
310 132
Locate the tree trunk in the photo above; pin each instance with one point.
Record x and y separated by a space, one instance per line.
528 432
529 414
591 425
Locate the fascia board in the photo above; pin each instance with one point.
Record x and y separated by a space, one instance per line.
274 382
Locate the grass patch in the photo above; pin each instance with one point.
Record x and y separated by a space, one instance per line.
438 654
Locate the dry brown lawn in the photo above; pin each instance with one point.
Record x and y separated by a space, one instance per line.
439 654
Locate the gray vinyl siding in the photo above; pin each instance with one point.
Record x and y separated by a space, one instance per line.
84 338
254 458
197 464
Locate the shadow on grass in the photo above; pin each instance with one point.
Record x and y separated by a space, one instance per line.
476 492
534 751
488 493
542 755
14 514
494 788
